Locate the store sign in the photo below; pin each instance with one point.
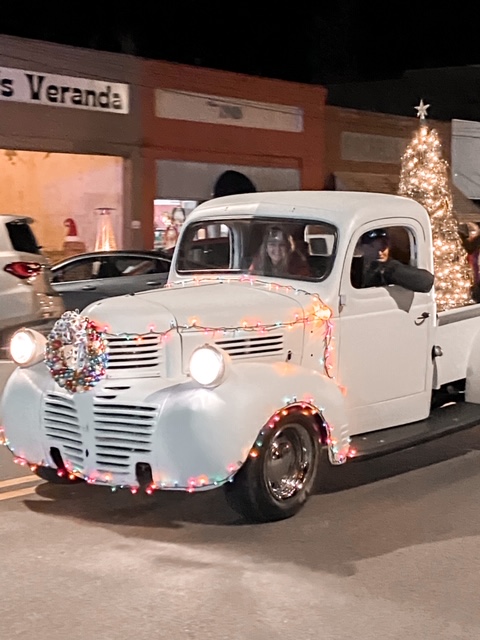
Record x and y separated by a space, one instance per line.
465 154
197 107
366 147
17 85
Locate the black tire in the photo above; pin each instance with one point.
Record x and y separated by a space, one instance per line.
260 491
50 475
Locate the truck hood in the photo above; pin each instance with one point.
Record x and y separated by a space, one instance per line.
207 304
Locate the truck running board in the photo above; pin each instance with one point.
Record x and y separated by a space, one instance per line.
442 421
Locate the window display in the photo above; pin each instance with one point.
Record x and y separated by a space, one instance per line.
169 218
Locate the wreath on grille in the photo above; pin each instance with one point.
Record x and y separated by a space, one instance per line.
76 353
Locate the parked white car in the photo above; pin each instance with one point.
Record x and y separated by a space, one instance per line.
239 378
27 298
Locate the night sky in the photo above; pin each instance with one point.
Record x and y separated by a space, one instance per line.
315 42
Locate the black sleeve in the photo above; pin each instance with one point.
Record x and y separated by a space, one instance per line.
408 277
374 275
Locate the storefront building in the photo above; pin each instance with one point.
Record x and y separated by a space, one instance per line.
209 133
69 128
107 150
364 152
91 139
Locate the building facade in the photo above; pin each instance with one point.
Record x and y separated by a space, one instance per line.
91 139
69 128
84 134
364 151
209 133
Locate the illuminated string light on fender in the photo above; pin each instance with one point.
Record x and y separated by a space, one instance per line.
336 455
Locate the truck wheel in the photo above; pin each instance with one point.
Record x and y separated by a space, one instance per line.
50 475
276 482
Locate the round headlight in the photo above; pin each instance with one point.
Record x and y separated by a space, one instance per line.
27 347
207 366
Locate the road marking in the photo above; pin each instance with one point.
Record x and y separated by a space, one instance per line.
16 494
21 480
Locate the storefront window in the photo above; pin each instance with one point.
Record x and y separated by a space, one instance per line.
76 201
169 218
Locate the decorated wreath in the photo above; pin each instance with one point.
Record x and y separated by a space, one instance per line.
76 353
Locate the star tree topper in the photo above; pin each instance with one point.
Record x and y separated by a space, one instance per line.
422 110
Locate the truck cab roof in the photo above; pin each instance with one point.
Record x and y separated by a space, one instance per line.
339 207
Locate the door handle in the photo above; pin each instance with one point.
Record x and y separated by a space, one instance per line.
89 287
152 283
421 319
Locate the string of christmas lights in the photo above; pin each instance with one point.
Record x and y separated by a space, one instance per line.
77 352
202 482
319 313
74 329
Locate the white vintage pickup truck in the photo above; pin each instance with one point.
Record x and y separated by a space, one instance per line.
233 376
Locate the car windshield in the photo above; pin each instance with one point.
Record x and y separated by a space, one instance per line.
299 249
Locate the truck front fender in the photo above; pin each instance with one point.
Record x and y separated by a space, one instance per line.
211 432
272 387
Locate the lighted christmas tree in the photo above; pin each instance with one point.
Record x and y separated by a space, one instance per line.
424 177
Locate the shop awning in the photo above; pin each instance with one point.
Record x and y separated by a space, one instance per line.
464 209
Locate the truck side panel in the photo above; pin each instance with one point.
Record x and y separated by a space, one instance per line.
457 333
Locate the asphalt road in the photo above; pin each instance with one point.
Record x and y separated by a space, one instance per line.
389 549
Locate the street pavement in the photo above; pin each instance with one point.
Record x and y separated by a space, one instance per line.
387 550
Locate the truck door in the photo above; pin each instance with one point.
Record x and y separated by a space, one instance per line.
385 335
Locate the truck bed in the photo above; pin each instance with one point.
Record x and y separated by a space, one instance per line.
455 332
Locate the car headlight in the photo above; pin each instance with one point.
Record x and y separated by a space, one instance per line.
27 347
207 366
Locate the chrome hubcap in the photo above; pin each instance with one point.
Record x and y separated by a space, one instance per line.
288 461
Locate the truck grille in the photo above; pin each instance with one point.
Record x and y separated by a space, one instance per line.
252 346
135 354
61 424
120 431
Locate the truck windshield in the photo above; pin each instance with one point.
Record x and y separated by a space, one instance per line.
299 249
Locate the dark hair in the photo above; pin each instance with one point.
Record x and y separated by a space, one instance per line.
176 210
262 262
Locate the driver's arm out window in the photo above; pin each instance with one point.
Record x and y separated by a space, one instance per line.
400 241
